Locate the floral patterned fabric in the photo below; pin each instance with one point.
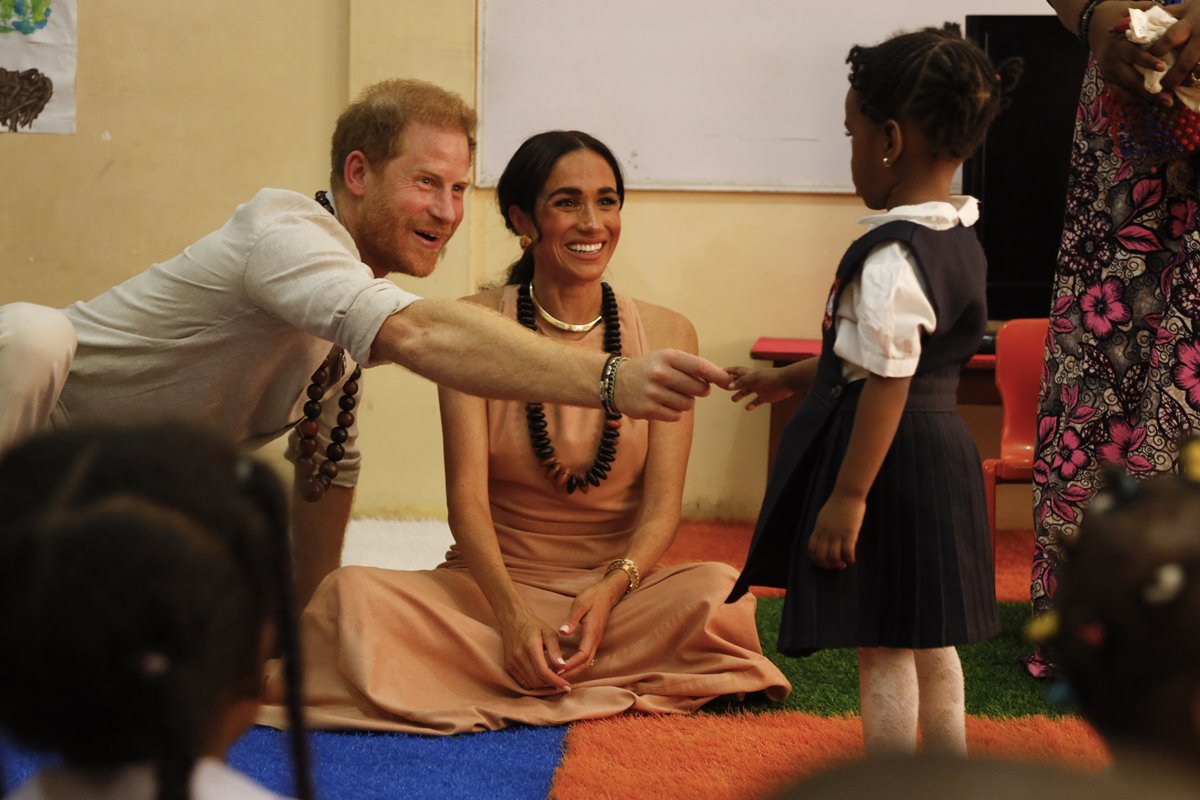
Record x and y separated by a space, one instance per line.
1121 381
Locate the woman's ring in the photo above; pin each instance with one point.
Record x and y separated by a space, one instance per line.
1193 78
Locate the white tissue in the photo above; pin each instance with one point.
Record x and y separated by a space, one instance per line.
1145 28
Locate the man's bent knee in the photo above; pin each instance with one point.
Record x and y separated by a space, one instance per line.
37 346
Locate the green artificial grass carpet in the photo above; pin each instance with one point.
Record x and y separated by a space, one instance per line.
826 683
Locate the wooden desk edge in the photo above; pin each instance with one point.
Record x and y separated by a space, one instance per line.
977 386
784 350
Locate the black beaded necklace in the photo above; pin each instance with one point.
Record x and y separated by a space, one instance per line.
535 415
320 476
322 197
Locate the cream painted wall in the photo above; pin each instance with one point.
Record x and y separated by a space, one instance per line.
399 427
186 110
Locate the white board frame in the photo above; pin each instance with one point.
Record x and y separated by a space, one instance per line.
692 95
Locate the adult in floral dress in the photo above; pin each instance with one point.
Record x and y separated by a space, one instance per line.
1121 381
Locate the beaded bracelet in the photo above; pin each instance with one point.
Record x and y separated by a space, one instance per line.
608 384
628 566
1085 20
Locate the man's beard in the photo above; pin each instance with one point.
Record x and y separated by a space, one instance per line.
381 250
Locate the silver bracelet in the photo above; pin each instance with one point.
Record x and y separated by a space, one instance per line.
608 385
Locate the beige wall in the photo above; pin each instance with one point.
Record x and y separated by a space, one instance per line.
186 109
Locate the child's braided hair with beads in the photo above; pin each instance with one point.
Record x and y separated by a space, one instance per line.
1126 632
142 573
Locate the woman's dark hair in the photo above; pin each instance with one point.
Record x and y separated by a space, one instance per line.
526 174
939 81
1128 606
139 570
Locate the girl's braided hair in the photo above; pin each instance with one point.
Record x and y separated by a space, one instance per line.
1126 632
939 81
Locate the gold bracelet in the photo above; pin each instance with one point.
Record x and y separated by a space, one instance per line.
629 568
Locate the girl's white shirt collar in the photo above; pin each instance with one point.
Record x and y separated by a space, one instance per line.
937 214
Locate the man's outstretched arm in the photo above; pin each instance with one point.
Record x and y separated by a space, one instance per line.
478 351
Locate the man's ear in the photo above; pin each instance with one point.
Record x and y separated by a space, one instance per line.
354 173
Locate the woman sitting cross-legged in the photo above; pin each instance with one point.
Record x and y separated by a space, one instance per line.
551 605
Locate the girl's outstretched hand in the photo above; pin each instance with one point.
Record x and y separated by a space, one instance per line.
836 533
765 383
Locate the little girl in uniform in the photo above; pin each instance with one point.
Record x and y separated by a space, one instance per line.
874 516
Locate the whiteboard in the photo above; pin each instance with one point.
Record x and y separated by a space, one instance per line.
690 94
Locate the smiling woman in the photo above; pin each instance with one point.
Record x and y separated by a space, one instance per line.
551 606
574 222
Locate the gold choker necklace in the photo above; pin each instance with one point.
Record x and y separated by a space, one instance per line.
558 323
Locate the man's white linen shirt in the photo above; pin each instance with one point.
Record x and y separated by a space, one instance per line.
229 332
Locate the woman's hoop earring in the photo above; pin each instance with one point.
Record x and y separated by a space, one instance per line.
525 242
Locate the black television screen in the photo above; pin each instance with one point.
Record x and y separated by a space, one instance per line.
1020 173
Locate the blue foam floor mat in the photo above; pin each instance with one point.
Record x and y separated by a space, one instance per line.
516 763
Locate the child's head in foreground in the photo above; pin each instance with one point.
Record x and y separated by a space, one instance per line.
144 579
1127 639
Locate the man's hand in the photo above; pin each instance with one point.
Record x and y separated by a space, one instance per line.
664 384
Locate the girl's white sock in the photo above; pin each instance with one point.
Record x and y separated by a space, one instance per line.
888 692
942 715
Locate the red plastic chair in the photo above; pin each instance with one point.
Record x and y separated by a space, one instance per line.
1020 353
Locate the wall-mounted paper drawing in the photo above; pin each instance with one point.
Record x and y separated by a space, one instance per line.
37 66
23 96
23 16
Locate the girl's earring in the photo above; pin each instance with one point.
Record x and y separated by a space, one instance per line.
887 162
525 242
